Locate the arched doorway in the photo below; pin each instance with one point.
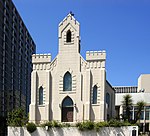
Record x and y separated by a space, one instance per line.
67 110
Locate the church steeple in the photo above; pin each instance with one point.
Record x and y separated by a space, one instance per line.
69 34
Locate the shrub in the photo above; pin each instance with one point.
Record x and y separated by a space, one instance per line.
98 125
102 124
31 127
111 123
115 123
88 125
118 123
126 123
56 124
49 124
66 125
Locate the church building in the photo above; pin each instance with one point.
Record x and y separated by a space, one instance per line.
70 88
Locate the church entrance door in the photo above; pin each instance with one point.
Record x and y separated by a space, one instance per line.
67 110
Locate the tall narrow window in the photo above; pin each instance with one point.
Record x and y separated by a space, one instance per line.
108 99
67 82
41 95
68 39
94 95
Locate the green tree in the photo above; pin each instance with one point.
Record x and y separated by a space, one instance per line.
140 107
127 105
17 118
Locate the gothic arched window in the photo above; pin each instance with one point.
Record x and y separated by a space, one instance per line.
67 82
94 101
41 95
67 102
68 38
108 99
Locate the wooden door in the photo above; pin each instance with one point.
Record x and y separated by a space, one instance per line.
67 114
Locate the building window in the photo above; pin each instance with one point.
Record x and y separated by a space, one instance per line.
41 95
147 113
67 102
68 39
67 82
108 99
94 95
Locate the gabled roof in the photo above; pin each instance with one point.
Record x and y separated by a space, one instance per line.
69 16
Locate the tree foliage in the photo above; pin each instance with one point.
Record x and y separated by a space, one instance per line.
17 118
127 105
140 106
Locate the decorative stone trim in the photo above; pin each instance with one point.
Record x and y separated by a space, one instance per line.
73 82
44 95
45 66
65 37
98 94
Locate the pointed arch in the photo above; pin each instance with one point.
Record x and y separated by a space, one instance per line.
67 82
67 110
68 36
67 102
41 95
94 100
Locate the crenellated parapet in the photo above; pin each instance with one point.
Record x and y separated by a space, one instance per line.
41 58
95 55
45 65
95 59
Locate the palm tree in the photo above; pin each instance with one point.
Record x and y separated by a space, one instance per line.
127 105
140 106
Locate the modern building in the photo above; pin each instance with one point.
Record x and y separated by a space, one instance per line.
139 93
70 88
16 49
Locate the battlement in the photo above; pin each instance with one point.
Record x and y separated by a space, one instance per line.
41 58
95 55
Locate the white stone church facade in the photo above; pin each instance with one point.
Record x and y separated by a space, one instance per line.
69 88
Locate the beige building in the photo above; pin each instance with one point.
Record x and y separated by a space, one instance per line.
69 88
139 93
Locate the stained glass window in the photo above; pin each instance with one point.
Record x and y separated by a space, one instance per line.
67 102
41 95
94 95
67 82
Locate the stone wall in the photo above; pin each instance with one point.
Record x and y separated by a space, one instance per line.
72 131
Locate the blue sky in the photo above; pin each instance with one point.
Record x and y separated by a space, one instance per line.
121 27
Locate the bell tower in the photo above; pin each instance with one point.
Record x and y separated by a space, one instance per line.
69 35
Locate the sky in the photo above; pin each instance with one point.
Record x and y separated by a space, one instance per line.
120 27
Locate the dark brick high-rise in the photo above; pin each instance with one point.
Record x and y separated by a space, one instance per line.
16 49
